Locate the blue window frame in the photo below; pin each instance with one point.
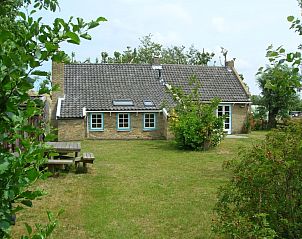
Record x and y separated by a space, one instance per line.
96 122
149 121
123 121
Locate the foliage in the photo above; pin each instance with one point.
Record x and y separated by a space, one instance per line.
278 84
194 123
42 231
147 49
263 197
25 43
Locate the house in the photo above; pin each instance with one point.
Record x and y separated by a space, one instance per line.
130 101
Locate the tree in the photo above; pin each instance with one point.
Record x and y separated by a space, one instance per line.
278 86
194 123
25 43
147 49
262 199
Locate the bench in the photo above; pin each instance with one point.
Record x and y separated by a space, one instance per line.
86 158
51 163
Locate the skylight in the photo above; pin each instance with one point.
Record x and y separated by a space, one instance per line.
122 102
148 103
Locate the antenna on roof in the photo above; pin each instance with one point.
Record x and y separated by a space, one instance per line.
224 53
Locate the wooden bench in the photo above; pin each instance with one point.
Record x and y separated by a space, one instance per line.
51 163
86 158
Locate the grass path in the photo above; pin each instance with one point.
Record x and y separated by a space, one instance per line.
137 189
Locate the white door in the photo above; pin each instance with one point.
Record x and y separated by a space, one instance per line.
225 110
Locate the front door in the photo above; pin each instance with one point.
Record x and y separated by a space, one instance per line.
225 110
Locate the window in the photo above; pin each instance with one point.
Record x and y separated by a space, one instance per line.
148 103
149 121
123 121
122 102
225 110
96 121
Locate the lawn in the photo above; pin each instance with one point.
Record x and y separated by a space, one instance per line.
137 189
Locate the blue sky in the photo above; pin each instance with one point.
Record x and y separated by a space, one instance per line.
244 28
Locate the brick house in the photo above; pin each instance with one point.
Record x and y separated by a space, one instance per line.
130 101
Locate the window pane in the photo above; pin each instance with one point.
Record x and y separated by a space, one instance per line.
227 108
96 121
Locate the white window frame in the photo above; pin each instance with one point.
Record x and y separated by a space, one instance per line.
224 111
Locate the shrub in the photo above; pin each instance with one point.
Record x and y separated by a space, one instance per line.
195 124
263 198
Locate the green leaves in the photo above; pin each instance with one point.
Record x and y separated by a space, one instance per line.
86 36
73 38
40 73
262 197
290 18
26 42
194 123
96 23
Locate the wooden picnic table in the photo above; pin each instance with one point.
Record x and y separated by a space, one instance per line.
63 148
66 147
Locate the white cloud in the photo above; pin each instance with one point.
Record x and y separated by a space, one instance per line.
167 39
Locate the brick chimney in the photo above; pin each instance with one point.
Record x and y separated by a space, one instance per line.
230 64
58 80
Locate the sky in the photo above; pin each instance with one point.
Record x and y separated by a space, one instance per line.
244 28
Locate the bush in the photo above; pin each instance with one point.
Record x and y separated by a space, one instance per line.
195 124
263 198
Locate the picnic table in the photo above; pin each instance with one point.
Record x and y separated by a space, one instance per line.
63 148
66 147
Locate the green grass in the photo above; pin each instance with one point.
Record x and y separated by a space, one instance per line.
137 189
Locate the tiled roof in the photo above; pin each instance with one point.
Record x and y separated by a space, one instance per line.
95 86
218 82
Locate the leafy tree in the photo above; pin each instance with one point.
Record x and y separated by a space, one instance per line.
278 85
195 124
263 197
147 49
174 55
25 43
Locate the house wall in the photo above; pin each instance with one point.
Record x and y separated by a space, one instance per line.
71 129
239 117
77 129
57 79
136 132
167 131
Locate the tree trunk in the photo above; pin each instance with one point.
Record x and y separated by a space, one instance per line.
272 122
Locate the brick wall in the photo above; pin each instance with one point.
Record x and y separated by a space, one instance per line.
57 79
167 131
239 116
76 129
71 129
136 131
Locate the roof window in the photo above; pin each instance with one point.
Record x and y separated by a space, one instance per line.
122 102
148 103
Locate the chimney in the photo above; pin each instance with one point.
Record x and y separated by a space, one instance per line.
156 60
157 66
230 64
57 78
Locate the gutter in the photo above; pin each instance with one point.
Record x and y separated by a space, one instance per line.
58 113
165 113
122 111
